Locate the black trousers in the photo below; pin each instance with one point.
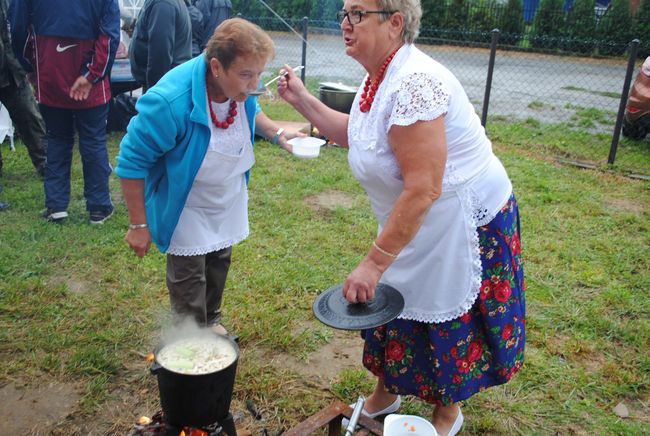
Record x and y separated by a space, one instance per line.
196 285
21 105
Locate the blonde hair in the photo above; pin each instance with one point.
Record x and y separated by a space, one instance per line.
237 37
411 10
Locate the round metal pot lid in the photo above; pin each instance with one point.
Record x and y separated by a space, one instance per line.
332 309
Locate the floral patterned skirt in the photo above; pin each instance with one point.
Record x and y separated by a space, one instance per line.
451 361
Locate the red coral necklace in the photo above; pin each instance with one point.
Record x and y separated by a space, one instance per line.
232 112
370 88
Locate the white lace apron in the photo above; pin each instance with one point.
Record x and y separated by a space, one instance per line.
439 271
215 215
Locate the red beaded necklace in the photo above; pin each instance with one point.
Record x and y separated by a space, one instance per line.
232 112
370 88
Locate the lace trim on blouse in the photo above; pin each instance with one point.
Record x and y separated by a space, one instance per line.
420 97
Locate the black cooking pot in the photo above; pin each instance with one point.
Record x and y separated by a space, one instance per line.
196 400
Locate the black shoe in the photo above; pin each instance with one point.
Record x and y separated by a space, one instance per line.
3 206
99 216
55 216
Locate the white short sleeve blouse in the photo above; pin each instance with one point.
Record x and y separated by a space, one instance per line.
439 271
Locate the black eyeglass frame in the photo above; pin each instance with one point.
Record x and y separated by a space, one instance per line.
343 14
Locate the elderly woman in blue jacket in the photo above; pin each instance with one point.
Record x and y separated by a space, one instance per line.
184 165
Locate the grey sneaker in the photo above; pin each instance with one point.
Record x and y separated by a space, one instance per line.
55 216
99 216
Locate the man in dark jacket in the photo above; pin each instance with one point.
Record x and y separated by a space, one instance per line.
18 97
162 39
71 46
206 16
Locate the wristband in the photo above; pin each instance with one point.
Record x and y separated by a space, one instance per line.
276 138
138 226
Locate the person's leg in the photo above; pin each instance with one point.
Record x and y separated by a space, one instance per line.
379 399
91 126
217 264
60 138
21 105
444 418
186 283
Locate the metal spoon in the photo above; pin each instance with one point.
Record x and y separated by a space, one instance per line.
264 89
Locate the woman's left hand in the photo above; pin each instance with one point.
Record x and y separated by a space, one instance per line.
286 136
360 285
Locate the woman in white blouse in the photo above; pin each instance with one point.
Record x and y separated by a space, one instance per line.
184 165
448 235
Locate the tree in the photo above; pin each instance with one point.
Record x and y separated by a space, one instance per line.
511 22
482 19
548 24
615 28
456 19
433 18
580 27
641 28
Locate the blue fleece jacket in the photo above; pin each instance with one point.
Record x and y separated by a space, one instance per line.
166 142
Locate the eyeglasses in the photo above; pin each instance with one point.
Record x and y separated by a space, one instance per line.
354 17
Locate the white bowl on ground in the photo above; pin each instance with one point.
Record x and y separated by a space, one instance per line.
306 147
408 425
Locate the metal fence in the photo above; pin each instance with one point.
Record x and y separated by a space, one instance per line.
550 88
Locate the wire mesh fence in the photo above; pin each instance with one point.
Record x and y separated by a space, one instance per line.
543 84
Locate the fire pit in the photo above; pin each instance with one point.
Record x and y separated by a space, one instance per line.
158 426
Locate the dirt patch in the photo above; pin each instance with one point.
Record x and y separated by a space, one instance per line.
73 284
343 351
28 410
626 205
330 200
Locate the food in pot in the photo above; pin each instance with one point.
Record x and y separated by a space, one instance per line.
196 356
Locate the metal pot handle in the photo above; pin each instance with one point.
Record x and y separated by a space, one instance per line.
155 367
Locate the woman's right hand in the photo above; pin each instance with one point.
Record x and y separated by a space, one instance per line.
290 87
139 240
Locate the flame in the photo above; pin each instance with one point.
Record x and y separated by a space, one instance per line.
150 357
144 420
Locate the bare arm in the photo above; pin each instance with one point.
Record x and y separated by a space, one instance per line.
138 239
421 151
331 123
266 127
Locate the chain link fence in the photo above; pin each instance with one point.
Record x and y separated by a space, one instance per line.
526 83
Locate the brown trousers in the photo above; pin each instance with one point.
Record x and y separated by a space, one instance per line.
196 285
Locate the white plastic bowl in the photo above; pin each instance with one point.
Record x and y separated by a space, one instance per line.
306 147
408 425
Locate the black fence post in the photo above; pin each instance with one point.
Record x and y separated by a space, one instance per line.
488 82
305 32
634 46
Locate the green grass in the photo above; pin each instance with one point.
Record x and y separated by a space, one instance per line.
77 307
589 91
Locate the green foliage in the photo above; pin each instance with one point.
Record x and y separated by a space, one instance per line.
457 16
511 22
580 27
433 17
482 16
641 28
292 9
615 28
548 24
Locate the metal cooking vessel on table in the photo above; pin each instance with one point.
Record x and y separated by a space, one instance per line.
337 96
